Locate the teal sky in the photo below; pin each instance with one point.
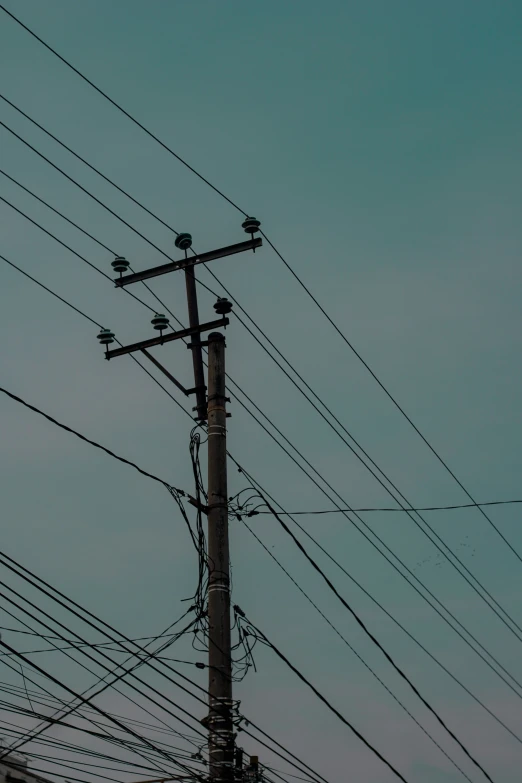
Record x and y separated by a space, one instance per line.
379 144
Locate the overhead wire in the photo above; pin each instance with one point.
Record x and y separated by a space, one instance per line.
319 475
457 559
382 608
456 630
408 510
446 551
345 721
124 672
62 685
396 510
50 701
280 256
73 606
400 671
46 741
285 262
354 651
77 434
450 626
73 747
325 701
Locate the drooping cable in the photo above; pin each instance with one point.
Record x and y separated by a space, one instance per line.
363 626
369 540
284 261
159 666
446 550
354 651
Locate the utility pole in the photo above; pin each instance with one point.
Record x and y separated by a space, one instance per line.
221 736
222 752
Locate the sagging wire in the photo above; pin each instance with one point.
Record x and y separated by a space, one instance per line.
243 660
200 631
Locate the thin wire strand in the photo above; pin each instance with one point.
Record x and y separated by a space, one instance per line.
379 605
362 532
396 510
287 265
121 109
447 550
73 607
354 651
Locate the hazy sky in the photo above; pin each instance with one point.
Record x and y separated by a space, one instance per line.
379 144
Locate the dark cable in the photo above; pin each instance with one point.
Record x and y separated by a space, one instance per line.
49 291
88 700
120 108
362 625
121 726
401 510
87 440
330 706
361 659
362 532
89 165
381 607
446 547
140 649
370 541
294 274
57 212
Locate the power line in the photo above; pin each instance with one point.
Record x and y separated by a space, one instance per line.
95 444
386 547
120 108
118 742
111 684
49 291
307 462
14 690
328 704
446 549
76 696
260 489
360 622
255 512
86 163
337 713
13 565
287 265
354 651
54 421
362 532
57 211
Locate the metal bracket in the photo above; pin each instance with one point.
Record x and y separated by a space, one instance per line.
167 338
199 506
202 258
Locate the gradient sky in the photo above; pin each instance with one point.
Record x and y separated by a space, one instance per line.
379 143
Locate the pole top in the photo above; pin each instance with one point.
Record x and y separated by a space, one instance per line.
215 337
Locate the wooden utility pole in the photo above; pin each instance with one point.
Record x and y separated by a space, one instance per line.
224 766
221 736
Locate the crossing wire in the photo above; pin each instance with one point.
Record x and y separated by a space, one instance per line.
72 606
408 511
447 550
96 444
284 261
249 411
